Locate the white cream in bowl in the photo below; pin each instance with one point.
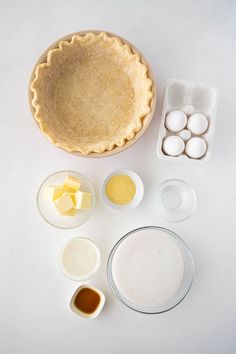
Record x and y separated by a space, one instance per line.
79 259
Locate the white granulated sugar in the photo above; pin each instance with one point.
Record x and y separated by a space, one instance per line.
148 267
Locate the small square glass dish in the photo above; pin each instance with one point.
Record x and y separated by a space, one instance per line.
122 190
87 302
46 200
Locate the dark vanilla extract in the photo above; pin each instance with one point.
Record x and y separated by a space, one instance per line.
87 300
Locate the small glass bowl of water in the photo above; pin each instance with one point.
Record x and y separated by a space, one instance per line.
176 200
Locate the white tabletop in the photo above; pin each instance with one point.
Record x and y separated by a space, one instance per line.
193 40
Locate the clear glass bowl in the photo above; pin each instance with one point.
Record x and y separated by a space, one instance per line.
183 289
176 200
48 210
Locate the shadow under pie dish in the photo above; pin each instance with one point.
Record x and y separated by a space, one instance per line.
92 94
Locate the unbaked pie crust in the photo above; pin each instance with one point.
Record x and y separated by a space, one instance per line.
91 93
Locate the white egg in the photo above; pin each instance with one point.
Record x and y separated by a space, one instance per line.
176 121
196 148
173 145
185 134
197 123
188 110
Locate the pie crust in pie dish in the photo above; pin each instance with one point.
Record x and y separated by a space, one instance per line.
91 94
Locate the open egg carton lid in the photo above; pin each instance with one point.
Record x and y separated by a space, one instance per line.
190 98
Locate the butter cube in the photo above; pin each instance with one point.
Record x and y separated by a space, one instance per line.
83 200
51 193
64 203
71 183
71 212
72 194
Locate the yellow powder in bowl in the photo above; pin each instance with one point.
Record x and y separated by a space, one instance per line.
120 189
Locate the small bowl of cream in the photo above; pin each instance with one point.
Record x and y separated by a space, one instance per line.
79 259
122 189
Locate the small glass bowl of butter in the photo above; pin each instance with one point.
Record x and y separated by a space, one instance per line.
66 199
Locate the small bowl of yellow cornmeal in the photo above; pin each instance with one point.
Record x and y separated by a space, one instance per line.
122 190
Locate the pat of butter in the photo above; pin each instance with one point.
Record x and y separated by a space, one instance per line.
64 203
72 194
83 200
51 193
71 183
71 212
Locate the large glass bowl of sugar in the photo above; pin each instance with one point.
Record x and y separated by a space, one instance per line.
150 269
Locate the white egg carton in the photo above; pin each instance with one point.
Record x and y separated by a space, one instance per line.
177 95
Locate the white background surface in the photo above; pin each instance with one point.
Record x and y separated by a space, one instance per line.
194 40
